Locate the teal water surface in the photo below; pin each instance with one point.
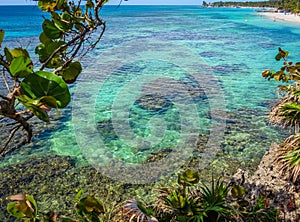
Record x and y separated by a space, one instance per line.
154 61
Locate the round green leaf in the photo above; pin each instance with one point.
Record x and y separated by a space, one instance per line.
44 38
51 30
42 83
13 210
14 53
71 72
45 51
21 66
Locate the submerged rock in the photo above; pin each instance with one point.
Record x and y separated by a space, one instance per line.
154 103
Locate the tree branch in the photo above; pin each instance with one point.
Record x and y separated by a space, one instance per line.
11 135
63 46
5 80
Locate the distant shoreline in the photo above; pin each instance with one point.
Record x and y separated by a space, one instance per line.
275 16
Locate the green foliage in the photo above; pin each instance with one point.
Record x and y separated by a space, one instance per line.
217 202
63 42
290 5
214 200
14 53
50 30
176 203
88 209
246 211
21 66
41 84
287 113
188 178
288 72
71 72
24 207
193 203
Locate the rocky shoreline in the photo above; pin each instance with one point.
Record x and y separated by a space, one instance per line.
54 181
269 181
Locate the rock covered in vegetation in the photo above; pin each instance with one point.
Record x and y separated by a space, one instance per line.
269 181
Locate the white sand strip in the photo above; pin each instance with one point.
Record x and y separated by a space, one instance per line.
282 17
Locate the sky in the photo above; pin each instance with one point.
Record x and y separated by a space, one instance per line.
129 2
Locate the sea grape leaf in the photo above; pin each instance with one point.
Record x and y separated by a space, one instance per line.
89 207
12 209
62 5
25 208
66 16
59 23
21 66
278 56
54 46
45 51
41 50
42 83
37 111
71 72
47 6
13 53
281 54
1 36
35 107
89 5
44 38
51 30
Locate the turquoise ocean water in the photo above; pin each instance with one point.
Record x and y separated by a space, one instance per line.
137 72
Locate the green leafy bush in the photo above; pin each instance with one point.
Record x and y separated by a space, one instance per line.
42 85
286 113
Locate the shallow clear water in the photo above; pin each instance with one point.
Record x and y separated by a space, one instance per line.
161 76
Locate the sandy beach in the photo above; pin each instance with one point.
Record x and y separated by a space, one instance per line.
282 17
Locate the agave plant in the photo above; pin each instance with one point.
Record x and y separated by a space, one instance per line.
286 113
289 157
189 201
135 211
214 200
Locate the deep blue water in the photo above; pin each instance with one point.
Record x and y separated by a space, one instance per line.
167 53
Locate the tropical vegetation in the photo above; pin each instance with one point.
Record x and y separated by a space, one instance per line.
35 87
187 200
288 5
286 113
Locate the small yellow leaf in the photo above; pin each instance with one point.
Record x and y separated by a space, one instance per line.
1 37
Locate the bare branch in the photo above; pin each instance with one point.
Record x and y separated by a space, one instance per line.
11 135
5 80
4 97
23 112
